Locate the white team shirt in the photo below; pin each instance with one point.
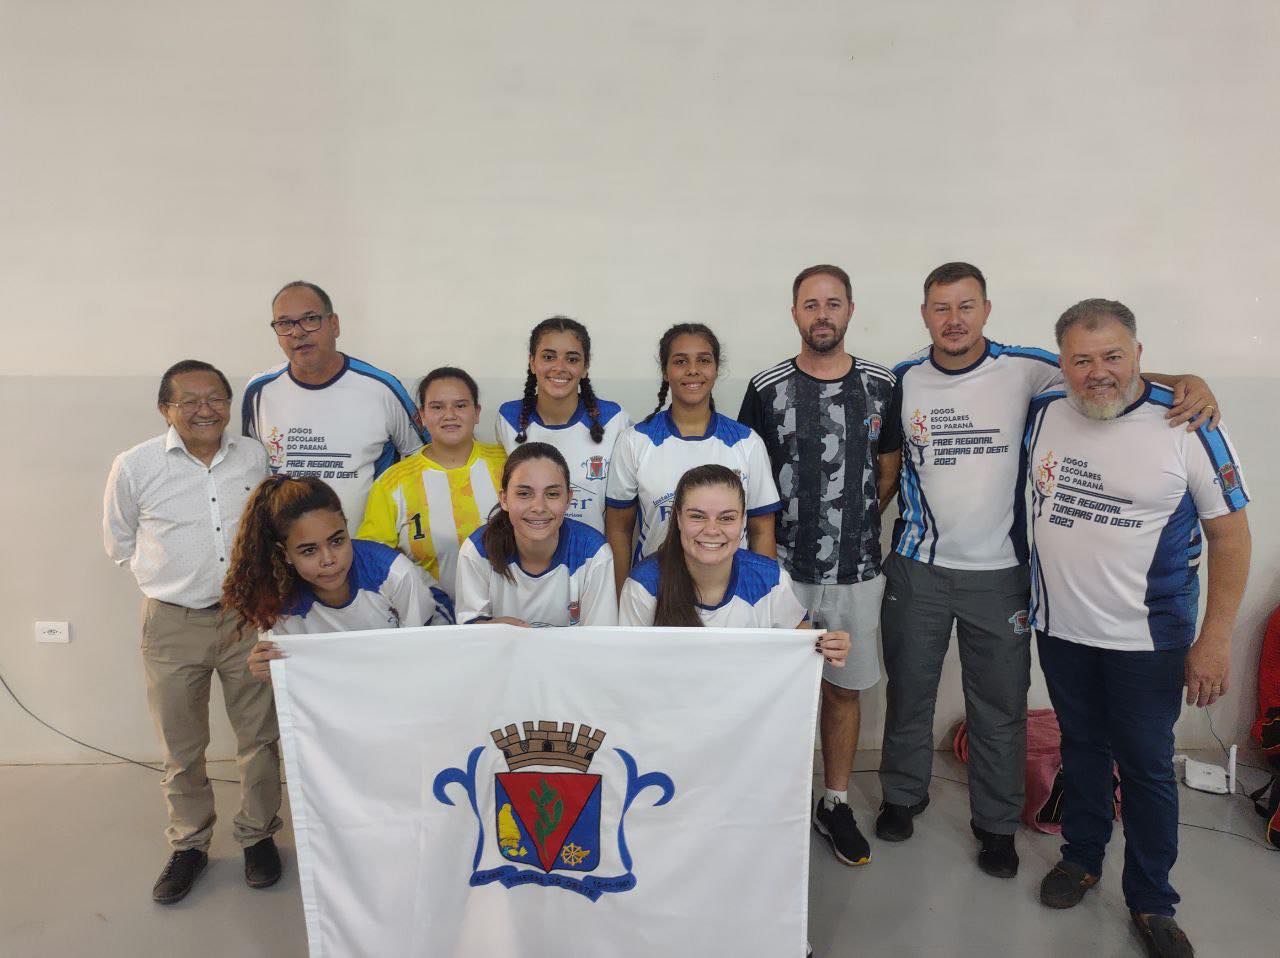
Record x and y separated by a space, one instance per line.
388 591
588 461
650 458
173 519
758 596
1115 510
961 440
346 431
576 589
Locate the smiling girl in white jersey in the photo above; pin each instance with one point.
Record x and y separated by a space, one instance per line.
530 565
700 577
295 569
560 408
652 455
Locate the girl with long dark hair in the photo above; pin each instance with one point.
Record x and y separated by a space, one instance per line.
560 408
295 569
529 564
700 577
652 455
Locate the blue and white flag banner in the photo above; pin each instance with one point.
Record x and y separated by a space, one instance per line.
494 791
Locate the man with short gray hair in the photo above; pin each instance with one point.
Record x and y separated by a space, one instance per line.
1118 502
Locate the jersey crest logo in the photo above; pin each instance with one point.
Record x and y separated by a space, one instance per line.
275 448
595 466
919 429
546 810
873 423
575 612
1228 477
1047 474
1021 622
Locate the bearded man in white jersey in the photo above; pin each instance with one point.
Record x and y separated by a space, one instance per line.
959 559
1117 506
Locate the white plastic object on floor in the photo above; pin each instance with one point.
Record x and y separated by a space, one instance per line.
1205 777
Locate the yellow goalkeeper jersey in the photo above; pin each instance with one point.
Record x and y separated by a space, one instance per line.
427 511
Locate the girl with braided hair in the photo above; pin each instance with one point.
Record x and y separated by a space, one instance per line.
295 569
652 455
560 408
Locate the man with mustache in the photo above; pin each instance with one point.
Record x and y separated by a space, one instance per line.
960 559
323 413
834 443
1117 505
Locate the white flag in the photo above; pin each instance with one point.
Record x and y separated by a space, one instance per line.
496 791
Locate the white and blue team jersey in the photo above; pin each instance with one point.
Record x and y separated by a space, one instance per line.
961 442
577 588
346 431
388 591
1115 520
758 596
588 460
650 458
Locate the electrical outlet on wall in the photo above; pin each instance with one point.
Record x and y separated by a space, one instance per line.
53 631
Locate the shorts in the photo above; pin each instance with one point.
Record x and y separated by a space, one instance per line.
852 608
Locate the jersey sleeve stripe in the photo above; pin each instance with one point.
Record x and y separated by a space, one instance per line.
772 374
621 503
765 510
1230 479
868 366
396 387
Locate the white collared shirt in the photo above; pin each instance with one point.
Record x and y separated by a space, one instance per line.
173 519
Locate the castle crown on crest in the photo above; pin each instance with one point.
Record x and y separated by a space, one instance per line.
550 743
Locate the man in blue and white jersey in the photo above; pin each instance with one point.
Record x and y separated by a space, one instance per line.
959 559
323 413
1117 504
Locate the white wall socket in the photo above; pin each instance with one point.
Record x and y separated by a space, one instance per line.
53 631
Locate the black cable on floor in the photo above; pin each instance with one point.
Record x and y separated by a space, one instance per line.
124 758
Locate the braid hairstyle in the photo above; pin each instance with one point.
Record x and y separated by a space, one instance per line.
526 405
560 324
664 354
593 408
259 583
677 593
499 534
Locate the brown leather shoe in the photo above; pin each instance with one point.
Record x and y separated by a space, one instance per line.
1065 885
1162 936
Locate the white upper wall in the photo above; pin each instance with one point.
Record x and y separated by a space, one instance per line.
452 173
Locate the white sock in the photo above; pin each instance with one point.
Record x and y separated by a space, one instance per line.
833 796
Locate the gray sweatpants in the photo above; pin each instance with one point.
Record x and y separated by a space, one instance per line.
989 610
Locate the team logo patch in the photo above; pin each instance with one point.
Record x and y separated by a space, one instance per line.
275 448
919 435
873 423
595 466
1228 476
550 823
1047 474
1021 622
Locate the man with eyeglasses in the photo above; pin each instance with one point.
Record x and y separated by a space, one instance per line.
170 512
325 414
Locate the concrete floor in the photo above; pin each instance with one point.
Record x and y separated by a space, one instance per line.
81 846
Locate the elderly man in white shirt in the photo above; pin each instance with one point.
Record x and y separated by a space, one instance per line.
170 512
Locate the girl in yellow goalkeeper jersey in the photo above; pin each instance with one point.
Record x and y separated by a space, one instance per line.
427 505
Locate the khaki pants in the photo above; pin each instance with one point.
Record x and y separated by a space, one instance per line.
181 649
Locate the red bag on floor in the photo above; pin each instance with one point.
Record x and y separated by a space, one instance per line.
1042 809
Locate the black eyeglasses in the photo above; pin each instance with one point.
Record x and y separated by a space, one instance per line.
309 324
190 406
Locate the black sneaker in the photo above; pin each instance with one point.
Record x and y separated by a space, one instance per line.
839 827
997 856
262 864
1162 936
180 873
893 824
1065 885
